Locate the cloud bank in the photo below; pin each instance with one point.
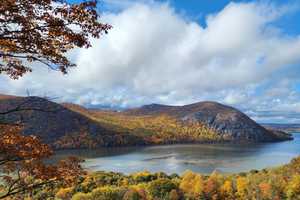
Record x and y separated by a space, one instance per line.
154 55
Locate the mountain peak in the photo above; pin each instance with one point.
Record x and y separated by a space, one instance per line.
229 122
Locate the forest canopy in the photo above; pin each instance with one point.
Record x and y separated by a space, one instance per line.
268 184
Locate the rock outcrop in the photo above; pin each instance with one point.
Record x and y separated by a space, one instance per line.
229 122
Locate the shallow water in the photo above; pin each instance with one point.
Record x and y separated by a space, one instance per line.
203 158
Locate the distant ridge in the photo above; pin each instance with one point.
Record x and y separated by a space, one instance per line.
4 96
293 127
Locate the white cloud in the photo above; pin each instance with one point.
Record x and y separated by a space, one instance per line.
154 54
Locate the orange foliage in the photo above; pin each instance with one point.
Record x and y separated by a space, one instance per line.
39 31
266 190
43 31
22 166
211 188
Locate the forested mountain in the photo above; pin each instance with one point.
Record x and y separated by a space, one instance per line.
227 121
73 126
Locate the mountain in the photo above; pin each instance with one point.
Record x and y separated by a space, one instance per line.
72 126
4 96
59 126
228 122
283 127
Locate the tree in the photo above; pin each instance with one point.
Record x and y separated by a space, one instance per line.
227 191
21 164
192 184
242 188
211 187
266 190
82 196
108 192
39 31
44 31
293 188
65 193
132 194
161 187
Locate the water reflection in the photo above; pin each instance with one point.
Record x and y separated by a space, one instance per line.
203 158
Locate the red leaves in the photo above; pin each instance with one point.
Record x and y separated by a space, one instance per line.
22 147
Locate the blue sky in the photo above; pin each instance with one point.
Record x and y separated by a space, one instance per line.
240 53
198 9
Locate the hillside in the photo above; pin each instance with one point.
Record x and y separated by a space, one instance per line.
72 126
60 126
227 121
4 96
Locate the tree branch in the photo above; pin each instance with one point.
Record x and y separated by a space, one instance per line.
23 189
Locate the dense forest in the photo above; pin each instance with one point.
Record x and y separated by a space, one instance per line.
267 184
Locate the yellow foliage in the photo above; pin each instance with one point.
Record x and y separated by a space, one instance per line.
141 174
154 129
241 187
191 184
293 188
227 191
282 183
82 196
64 193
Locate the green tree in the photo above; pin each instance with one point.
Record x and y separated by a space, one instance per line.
160 188
108 192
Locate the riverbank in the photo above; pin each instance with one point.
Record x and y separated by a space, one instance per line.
269 184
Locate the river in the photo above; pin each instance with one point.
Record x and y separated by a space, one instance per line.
203 158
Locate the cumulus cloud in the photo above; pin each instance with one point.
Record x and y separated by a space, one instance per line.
154 54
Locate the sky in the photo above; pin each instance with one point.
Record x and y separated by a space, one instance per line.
241 53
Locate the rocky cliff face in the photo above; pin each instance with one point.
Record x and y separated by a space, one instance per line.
229 122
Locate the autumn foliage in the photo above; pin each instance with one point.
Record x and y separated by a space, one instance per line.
269 184
160 129
43 31
22 167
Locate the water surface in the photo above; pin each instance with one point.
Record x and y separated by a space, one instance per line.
203 158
